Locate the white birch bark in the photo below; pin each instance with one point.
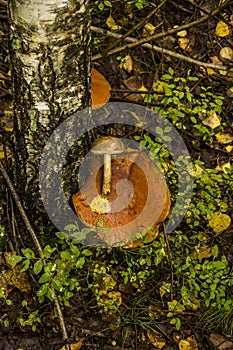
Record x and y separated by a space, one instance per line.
50 55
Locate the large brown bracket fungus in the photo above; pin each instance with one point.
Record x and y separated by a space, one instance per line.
126 192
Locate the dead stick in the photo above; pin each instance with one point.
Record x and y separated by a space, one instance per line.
37 244
169 252
162 50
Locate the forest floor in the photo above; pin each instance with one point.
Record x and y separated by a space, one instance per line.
154 298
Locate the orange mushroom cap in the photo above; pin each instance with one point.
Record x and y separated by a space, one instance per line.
126 201
100 89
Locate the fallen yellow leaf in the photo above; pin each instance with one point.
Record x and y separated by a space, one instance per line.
156 339
224 167
142 88
184 345
224 138
148 29
226 53
174 305
76 346
184 44
219 222
222 29
2 153
128 64
188 344
165 288
213 121
210 71
205 252
112 24
2 80
229 148
195 170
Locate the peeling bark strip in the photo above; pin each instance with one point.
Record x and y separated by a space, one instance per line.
50 54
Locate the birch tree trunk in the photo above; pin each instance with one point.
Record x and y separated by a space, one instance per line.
50 55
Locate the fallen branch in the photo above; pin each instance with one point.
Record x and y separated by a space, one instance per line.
137 43
160 49
36 242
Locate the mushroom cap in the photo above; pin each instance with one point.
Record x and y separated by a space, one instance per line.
108 145
100 89
139 199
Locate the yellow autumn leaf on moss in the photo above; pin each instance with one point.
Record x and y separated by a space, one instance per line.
219 222
222 29
112 24
224 138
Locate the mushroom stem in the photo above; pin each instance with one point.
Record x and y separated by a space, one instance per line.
107 174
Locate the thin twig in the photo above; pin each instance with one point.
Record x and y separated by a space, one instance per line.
163 34
137 26
36 242
162 50
169 252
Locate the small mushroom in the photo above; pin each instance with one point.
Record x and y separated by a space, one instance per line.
107 146
100 89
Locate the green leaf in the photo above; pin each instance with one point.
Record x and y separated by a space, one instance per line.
43 290
57 285
48 251
45 277
61 235
80 262
28 253
15 259
215 251
50 294
75 250
65 255
170 71
159 130
167 77
167 138
107 3
86 252
26 265
38 267
71 227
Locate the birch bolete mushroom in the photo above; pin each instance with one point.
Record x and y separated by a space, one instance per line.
100 89
139 199
107 146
